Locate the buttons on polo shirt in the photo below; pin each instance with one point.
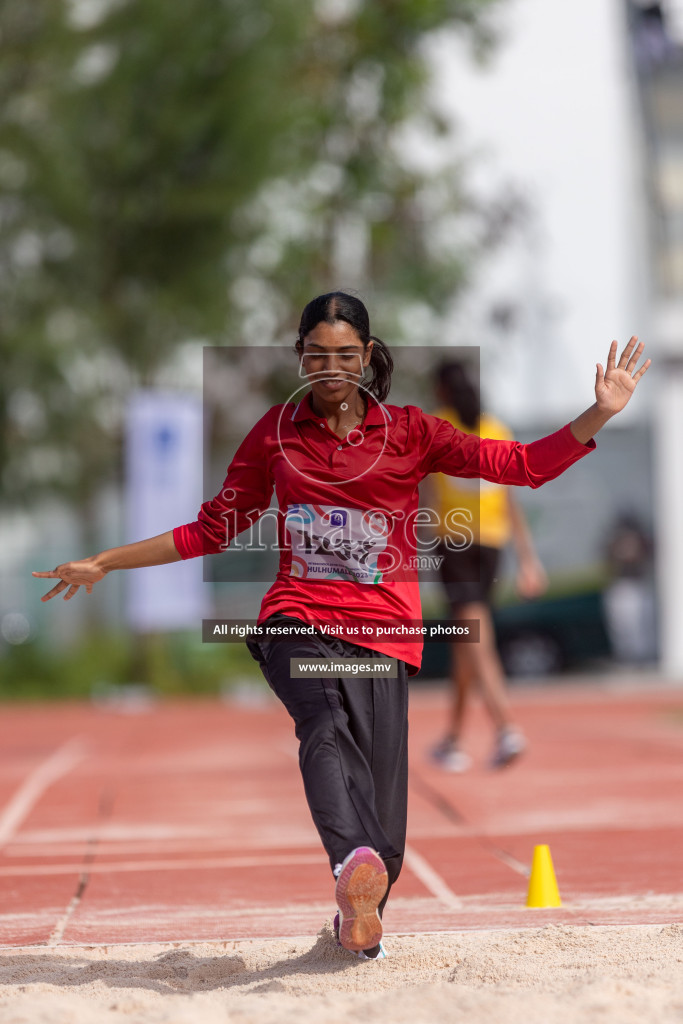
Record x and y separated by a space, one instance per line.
339 447
322 424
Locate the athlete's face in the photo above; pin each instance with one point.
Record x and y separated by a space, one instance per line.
333 359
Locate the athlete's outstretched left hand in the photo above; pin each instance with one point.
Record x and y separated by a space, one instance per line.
614 387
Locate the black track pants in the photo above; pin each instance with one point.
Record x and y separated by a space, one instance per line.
353 746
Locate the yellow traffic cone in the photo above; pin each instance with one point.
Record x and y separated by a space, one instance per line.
543 891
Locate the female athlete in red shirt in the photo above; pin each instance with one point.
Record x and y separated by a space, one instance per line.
345 468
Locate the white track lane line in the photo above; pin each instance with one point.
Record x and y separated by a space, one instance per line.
193 864
431 880
64 759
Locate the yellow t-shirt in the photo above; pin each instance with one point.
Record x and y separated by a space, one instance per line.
485 502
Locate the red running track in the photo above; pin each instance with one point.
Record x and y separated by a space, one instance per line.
187 821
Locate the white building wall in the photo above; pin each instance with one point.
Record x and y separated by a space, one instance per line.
554 116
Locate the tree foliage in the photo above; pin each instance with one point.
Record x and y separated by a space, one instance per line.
198 171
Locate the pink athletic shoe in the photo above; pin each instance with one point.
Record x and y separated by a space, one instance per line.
381 953
361 883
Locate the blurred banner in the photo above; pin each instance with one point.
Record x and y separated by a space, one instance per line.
163 490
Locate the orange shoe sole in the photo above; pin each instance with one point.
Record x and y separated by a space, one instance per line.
361 884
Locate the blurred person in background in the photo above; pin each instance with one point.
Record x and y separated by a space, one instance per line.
629 599
491 516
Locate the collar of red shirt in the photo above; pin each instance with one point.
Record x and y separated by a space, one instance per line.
377 415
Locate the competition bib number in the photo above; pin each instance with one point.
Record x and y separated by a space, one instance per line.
333 543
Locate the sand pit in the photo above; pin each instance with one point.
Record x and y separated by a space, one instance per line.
558 974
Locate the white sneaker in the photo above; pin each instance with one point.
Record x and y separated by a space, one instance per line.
510 743
450 757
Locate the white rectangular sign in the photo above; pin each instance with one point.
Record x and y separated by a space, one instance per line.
164 490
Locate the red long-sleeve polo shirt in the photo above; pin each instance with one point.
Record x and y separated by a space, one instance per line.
347 508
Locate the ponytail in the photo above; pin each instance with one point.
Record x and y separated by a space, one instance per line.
382 366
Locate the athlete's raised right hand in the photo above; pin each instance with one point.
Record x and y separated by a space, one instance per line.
73 575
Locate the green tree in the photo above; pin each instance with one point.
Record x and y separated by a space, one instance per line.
172 171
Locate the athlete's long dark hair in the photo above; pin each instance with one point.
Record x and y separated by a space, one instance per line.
334 306
459 392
